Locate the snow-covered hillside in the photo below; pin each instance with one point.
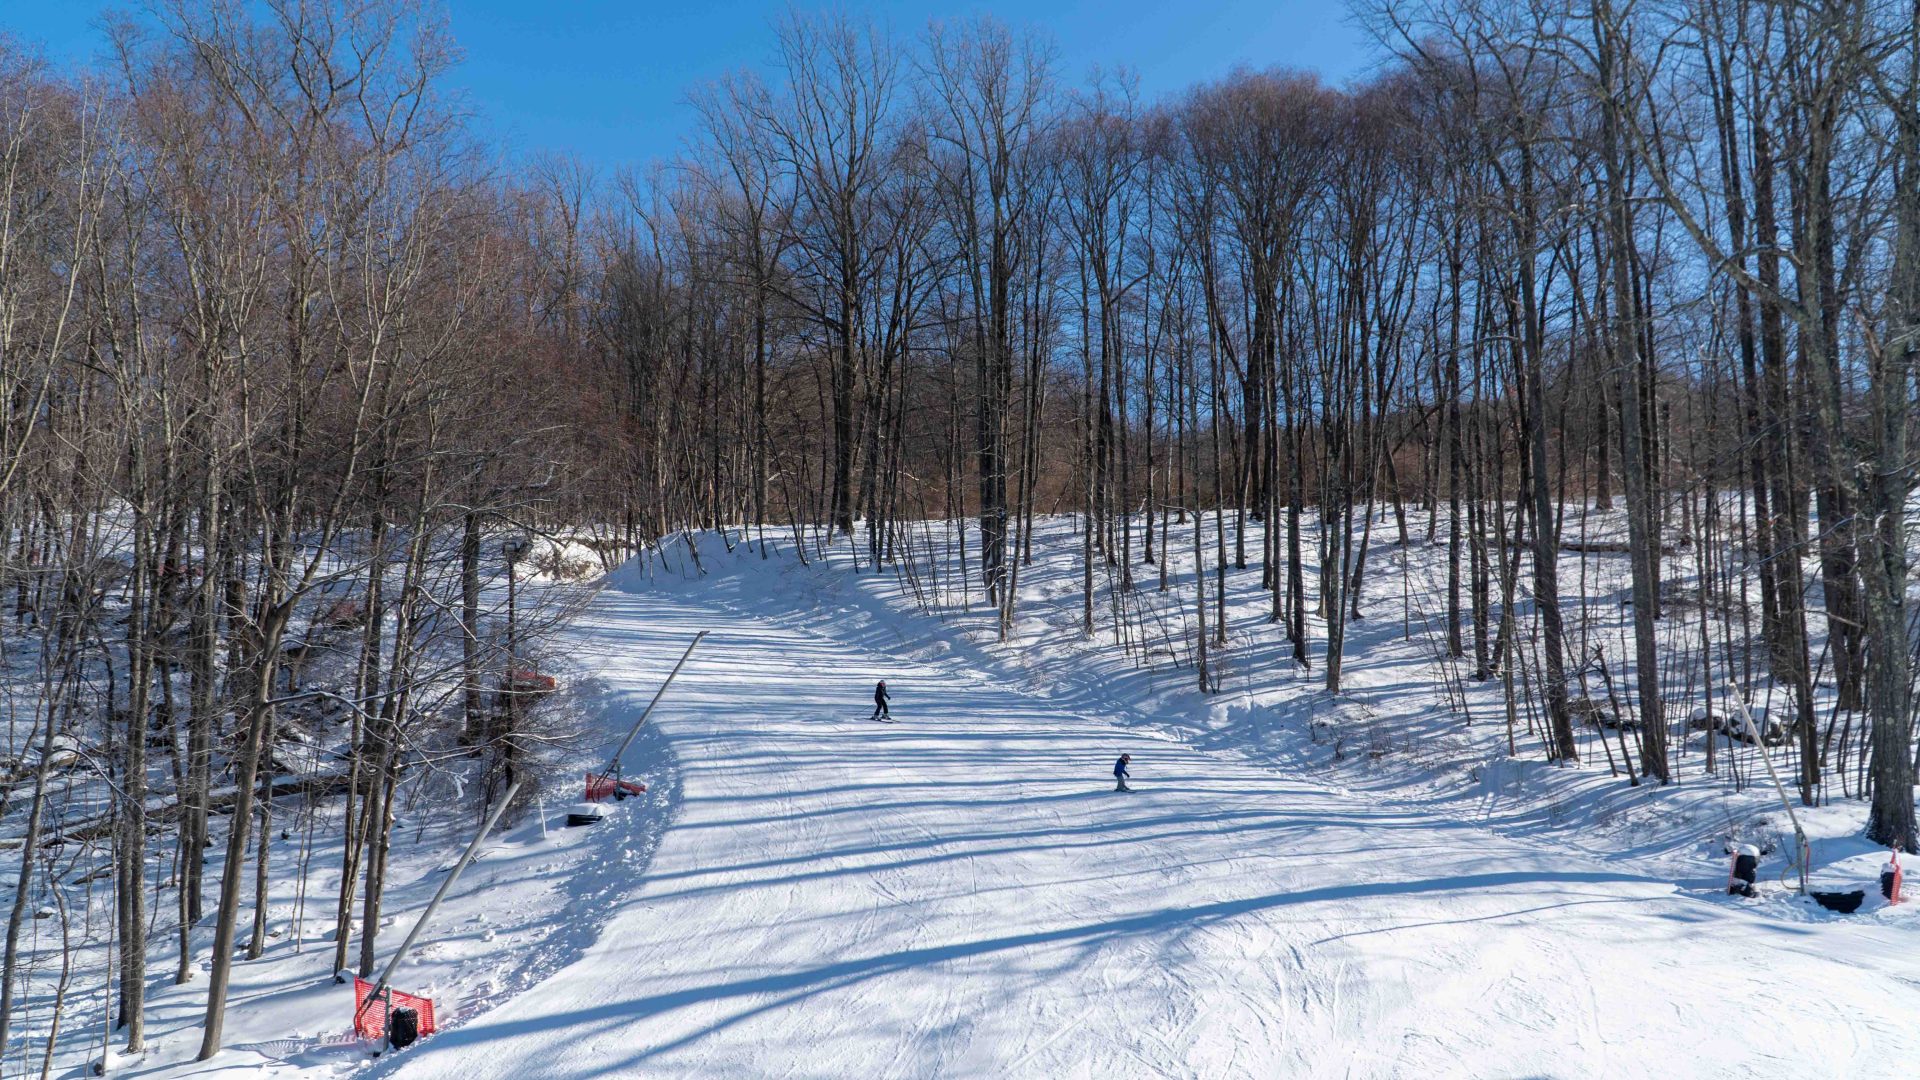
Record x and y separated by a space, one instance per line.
1299 886
1302 884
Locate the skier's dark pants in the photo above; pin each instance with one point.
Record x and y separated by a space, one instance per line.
880 709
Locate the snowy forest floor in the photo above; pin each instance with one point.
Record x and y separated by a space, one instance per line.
1303 884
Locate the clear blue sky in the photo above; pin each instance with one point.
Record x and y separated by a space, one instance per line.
605 79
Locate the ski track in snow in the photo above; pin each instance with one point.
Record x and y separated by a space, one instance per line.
962 894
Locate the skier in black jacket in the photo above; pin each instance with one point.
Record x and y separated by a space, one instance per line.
880 702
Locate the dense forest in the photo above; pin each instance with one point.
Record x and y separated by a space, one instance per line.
291 358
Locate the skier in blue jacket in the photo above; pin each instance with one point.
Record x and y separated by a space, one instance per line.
1120 773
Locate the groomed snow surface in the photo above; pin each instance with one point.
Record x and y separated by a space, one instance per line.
1301 885
962 893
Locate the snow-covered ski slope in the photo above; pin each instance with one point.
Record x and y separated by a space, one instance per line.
963 894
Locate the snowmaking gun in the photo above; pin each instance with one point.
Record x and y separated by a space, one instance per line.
397 1018
1802 850
608 781
1891 874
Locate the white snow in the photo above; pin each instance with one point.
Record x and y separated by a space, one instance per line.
962 893
532 900
1301 884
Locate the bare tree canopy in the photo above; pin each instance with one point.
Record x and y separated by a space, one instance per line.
294 366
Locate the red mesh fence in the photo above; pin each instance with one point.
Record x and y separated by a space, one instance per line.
370 1017
605 787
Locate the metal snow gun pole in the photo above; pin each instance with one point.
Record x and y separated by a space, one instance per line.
382 989
1804 850
612 770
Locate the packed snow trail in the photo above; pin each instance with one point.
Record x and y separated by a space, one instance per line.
963 894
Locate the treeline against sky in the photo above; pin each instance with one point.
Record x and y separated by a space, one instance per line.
278 332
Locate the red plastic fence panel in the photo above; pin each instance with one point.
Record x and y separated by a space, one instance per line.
605 787
370 1018
526 681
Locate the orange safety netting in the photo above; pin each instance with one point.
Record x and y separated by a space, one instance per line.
605 787
370 1017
